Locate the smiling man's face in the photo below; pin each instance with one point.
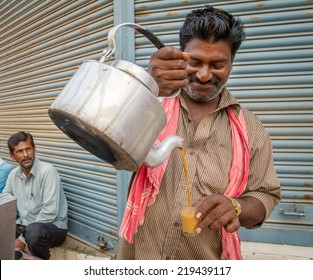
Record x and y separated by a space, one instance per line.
208 69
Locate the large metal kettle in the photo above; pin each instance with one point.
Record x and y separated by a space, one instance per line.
113 111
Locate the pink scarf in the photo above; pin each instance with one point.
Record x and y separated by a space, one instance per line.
238 176
147 181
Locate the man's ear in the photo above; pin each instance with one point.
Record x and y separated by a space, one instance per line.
12 156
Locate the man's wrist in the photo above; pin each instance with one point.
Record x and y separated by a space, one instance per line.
236 205
19 244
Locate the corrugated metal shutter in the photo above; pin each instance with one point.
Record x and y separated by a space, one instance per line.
273 77
42 44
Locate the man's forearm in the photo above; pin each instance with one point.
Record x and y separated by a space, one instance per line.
252 211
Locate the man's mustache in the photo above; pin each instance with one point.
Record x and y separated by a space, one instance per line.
213 81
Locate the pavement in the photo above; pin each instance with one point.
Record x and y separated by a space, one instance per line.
267 251
73 249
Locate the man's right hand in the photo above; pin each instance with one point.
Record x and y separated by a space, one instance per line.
168 67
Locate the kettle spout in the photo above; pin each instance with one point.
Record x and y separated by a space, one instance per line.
159 154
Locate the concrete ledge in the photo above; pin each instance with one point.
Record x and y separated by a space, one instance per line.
267 251
73 249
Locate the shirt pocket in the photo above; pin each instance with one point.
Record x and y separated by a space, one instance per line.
212 170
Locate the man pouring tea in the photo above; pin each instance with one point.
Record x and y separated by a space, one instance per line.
231 174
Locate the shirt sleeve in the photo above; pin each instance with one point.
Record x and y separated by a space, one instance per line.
22 239
50 187
263 182
8 185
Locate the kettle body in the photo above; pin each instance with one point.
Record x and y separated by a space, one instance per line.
112 111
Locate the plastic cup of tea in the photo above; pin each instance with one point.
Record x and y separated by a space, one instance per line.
188 218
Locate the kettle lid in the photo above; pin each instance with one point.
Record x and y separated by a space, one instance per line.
139 73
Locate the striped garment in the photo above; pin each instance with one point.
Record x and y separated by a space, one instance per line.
208 151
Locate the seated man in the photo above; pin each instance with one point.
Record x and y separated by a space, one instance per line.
5 169
41 202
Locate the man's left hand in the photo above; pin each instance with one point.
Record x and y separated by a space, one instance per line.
216 211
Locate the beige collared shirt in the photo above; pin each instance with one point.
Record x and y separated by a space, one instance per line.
209 155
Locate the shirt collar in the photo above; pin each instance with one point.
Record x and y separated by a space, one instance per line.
33 171
226 100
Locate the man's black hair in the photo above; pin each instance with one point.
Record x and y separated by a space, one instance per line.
18 137
212 25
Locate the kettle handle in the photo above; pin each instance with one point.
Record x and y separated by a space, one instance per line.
107 53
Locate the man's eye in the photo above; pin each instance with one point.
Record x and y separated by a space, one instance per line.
193 62
219 66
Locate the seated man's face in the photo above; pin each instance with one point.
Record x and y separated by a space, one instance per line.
24 154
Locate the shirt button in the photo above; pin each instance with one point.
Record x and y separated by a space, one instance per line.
191 153
176 224
168 258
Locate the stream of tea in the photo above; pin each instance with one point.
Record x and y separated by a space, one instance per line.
186 176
